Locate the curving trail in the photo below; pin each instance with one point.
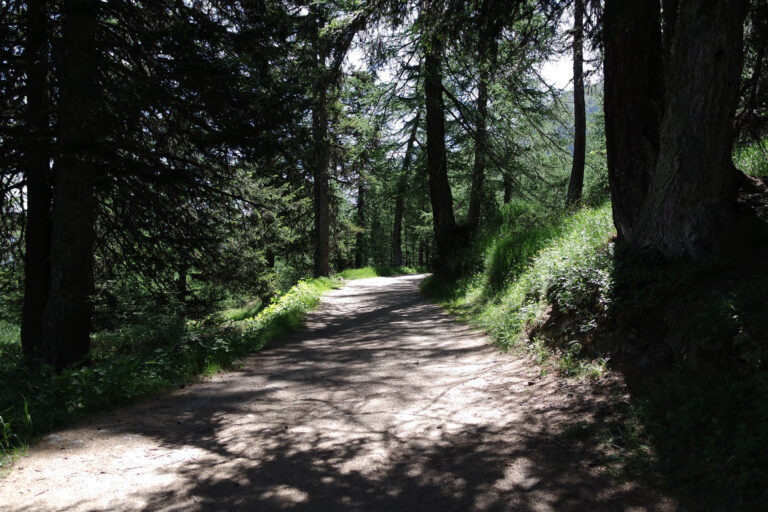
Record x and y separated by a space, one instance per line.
383 403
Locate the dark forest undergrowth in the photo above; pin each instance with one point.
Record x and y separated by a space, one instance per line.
688 341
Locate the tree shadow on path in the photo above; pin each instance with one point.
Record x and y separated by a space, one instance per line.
384 403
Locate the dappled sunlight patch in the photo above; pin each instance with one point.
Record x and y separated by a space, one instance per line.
317 423
284 496
37 399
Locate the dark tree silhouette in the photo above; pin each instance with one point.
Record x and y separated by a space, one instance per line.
38 179
669 125
68 312
576 183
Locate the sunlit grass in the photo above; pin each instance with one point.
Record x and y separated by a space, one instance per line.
248 311
565 260
569 267
556 290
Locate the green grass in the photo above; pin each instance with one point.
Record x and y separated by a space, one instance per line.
378 271
248 311
132 362
752 158
564 263
691 340
571 264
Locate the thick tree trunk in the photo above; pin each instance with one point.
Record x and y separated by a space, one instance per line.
359 260
633 104
67 316
397 232
439 189
669 10
488 32
690 204
576 183
321 160
38 179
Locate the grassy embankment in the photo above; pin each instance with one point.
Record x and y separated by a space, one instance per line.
156 353
690 340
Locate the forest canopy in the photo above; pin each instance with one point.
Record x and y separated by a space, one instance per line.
192 152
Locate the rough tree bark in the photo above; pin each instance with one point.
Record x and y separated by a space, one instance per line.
633 103
397 232
576 183
690 203
67 315
669 9
321 191
421 253
439 189
38 178
181 283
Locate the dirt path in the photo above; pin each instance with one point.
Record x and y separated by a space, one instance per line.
384 403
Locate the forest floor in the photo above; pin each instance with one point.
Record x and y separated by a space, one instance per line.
383 403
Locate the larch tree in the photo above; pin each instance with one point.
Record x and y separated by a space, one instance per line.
360 258
397 231
321 155
68 312
576 182
36 150
335 27
691 201
669 125
633 104
440 194
489 25
161 168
